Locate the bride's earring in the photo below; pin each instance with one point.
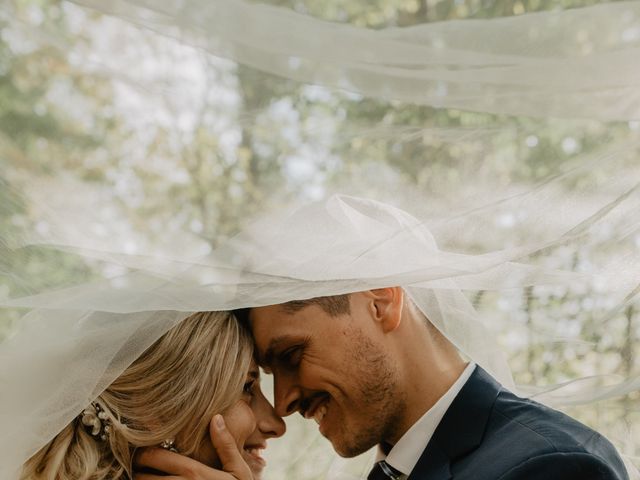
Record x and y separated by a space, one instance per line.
169 445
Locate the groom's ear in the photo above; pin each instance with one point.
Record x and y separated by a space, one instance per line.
386 306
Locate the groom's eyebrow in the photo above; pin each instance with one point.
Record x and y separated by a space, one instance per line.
273 348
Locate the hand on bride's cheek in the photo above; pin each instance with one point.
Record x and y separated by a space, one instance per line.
251 421
240 422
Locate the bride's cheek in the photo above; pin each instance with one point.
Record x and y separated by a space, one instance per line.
241 422
250 423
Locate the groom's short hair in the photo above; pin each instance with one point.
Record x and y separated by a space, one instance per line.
334 305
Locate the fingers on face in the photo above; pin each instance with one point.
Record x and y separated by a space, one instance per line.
227 449
179 467
167 462
150 476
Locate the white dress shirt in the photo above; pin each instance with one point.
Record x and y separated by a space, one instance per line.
405 454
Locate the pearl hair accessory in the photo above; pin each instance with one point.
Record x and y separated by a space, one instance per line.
169 445
97 421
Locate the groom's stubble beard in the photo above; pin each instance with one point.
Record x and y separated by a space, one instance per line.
382 403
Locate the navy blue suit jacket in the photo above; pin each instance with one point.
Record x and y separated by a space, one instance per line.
488 433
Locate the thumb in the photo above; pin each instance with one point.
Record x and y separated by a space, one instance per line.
225 445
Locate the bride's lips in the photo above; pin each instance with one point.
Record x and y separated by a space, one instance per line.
251 454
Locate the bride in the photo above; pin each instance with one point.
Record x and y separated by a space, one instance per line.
171 397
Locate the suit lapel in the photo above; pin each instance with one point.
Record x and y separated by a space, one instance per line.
461 429
433 464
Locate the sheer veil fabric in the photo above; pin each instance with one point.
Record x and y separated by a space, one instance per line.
466 251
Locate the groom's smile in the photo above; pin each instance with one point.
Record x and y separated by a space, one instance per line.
315 407
330 368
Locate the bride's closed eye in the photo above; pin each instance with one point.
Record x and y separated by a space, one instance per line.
247 390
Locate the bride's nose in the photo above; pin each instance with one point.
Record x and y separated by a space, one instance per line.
268 421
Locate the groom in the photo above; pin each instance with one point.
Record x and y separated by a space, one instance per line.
371 370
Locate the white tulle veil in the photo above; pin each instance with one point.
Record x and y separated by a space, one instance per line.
502 265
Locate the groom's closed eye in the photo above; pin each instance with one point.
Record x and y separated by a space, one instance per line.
285 351
291 356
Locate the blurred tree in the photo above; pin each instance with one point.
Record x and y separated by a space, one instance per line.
38 136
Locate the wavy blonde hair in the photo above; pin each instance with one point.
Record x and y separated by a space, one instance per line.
171 391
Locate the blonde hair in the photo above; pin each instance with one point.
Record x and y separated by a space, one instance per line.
171 391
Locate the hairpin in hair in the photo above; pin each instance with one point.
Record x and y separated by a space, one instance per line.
97 421
169 445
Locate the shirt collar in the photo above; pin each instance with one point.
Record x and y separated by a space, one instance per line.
405 454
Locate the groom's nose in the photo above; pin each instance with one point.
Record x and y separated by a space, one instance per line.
287 396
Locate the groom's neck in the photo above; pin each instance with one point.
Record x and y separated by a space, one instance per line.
430 365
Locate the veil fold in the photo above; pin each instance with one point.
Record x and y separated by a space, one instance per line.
93 331
574 63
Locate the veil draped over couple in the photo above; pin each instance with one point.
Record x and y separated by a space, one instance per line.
365 318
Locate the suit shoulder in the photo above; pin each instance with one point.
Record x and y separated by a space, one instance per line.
543 425
529 430
568 466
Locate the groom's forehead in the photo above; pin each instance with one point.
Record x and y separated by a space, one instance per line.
265 319
292 310
268 322
276 329
273 318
